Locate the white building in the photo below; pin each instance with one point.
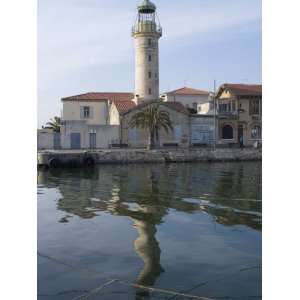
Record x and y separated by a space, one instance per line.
199 101
91 120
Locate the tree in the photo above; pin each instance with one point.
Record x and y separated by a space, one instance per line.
54 124
152 119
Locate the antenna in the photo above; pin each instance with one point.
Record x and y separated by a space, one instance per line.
215 116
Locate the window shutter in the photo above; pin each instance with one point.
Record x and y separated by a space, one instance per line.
91 112
81 112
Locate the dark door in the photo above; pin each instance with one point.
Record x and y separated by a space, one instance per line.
241 134
56 140
93 142
75 141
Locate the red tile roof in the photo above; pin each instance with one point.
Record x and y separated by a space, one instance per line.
123 106
100 97
173 105
241 89
178 106
189 91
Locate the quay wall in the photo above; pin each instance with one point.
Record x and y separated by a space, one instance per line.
55 158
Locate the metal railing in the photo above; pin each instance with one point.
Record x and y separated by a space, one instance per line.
146 27
227 114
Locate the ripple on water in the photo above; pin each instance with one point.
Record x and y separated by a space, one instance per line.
162 226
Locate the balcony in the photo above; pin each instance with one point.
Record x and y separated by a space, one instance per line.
256 117
227 115
146 27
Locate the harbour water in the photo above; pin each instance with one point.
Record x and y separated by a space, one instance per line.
194 229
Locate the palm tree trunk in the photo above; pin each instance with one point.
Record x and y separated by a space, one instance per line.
157 138
151 143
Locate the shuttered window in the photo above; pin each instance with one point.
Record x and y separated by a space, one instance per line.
86 112
254 107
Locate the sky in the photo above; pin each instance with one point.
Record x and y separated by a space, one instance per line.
86 46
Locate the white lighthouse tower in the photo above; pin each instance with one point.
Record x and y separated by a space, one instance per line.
146 32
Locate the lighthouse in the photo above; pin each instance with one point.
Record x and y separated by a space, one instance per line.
146 33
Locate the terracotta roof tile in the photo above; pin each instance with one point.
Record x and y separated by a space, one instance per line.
178 106
188 91
173 105
242 89
100 97
123 106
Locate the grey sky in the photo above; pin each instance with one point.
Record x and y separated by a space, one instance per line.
85 45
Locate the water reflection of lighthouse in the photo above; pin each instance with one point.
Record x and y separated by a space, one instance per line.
147 248
145 219
146 213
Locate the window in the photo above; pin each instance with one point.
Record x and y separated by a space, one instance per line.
149 57
224 107
86 112
256 132
93 140
149 42
227 132
227 106
149 74
156 75
233 105
149 91
195 106
254 107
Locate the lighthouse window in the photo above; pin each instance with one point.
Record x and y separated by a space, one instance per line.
150 91
149 42
149 74
149 58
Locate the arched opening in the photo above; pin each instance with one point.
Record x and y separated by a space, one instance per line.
227 132
256 132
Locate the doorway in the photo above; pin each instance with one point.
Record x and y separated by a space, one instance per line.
56 140
227 132
93 140
241 134
75 141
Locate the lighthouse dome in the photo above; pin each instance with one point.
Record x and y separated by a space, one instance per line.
146 7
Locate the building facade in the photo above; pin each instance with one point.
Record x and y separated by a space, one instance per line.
239 114
89 120
197 101
139 138
202 128
100 120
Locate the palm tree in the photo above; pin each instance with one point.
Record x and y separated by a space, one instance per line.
54 124
152 119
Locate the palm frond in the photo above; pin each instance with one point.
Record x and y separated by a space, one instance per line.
54 124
